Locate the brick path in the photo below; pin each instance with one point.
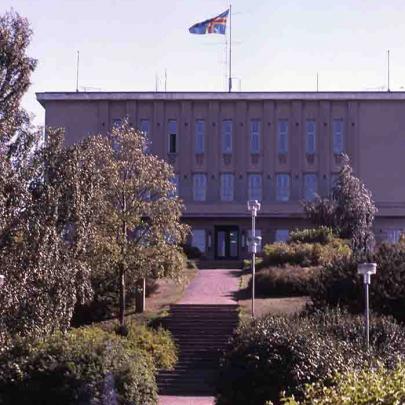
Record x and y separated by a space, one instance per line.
214 286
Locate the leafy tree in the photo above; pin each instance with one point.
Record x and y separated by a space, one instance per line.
47 205
350 210
139 228
15 71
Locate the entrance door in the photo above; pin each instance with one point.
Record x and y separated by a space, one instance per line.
226 242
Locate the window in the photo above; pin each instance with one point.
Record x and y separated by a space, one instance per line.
338 144
176 182
282 137
172 130
310 186
310 137
144 127
226 187
282 235
198 239
393 235
227 137
255 187
199 136
199 187
258 233
255 126
282 187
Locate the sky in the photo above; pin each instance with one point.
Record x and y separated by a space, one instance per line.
277 45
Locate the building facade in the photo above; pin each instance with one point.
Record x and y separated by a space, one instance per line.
278 148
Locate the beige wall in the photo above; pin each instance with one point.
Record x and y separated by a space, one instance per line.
374 138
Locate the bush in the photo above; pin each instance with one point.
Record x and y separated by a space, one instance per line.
275 354
375 386
288 281
322 235
85 366
192 252
304 254
338 284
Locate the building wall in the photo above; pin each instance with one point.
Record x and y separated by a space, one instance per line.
373 137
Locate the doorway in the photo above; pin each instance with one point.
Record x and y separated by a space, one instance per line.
226 242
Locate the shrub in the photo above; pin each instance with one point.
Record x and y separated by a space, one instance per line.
192 252
322 235
85 366
284 281
375 386
338 284
304 254
275 354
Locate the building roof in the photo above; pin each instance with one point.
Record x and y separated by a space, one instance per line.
43 97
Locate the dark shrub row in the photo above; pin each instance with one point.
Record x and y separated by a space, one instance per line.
322 235
85 366
275 354
339 284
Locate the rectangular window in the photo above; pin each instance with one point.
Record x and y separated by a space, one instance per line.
258 233
282 235
393 235
199 187
338 142
310 137
172 132
199 136
198 239
255 187
255 126
310 186
227 137
282 137
282 187
144 127
227 187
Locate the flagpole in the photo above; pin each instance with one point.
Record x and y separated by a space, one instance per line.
230 49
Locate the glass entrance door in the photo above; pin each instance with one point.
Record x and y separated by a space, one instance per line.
226 242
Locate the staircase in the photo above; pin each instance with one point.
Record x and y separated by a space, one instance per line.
201 333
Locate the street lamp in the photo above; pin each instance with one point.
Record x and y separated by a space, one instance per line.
367 269
254 242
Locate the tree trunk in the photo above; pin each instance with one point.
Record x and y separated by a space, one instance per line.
140 296
122 298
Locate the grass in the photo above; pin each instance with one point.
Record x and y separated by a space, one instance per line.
274 306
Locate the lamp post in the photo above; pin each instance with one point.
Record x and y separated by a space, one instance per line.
254 241
367 269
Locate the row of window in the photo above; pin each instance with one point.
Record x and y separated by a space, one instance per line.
255 189
255 135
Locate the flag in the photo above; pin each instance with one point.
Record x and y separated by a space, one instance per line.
216 25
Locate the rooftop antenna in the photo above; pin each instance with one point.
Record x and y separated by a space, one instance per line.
156 82
388 71
165 79
77 71
317 81
230 49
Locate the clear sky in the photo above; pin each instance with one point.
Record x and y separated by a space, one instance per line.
277 45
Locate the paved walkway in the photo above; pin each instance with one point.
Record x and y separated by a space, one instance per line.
214 286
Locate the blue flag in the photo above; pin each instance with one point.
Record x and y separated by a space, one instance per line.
216 25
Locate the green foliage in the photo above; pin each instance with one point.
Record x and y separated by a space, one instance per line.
287 281
85 366
350 211
304 254
374 386
338 284
275 354
322 235
192 252
15 71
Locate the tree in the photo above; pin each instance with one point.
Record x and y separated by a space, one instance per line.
139 228
47 205
350 211
15 70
